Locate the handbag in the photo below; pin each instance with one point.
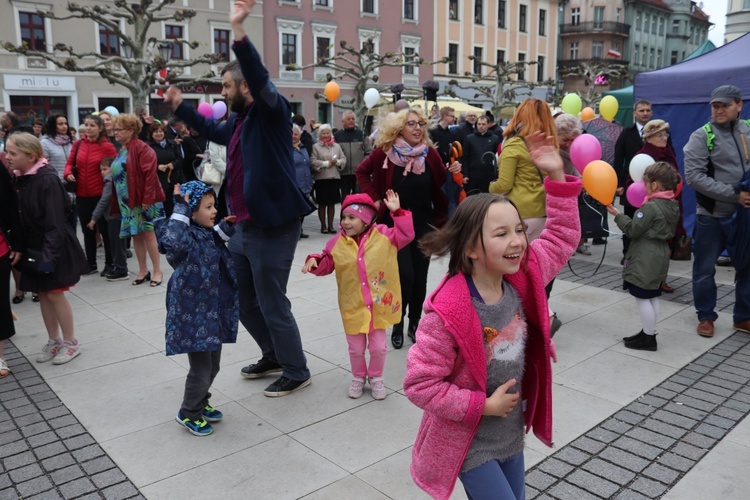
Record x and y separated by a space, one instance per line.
70 186
593 216
682 248
30 262
210 175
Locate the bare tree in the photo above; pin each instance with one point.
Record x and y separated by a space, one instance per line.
137 71
595 73
361 66
500 85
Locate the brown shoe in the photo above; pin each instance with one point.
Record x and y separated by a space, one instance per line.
706 328
666 288
743 327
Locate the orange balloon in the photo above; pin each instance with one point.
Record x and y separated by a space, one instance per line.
332 91
587 114
600 181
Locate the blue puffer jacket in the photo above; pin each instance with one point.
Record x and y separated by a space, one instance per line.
202 306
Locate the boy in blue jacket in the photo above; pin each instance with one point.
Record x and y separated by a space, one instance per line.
202 308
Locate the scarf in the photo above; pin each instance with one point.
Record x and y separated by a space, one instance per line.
61 139
659 195
329 142
404 155
660 154
163 143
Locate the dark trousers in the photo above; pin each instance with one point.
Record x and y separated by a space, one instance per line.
630 212
7 330
348 185
412 271
203 369
72 218
117 246
86 206
262 260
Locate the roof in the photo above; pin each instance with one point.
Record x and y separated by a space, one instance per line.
698 13
659 4
705 48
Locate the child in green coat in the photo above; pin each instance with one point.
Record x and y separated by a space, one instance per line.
647 260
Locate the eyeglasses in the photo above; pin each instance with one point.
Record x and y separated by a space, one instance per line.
662 135
120 130
414 123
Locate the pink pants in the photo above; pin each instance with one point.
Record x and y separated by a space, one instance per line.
377 347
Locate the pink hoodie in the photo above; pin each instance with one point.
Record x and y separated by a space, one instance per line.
446 370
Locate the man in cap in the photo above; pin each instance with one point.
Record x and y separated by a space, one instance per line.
716 157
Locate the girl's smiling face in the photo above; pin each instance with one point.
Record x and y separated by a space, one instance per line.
504 242
352 226
205 213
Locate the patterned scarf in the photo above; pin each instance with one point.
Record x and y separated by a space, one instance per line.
404 155
61 139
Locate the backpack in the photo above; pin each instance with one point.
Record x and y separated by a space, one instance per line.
701 199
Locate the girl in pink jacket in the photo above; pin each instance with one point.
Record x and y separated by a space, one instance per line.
364 256
484 343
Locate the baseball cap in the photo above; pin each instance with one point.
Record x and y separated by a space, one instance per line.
726 94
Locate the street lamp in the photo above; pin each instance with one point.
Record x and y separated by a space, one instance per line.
560 85
165 51
127 50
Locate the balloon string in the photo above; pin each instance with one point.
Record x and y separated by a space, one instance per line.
604 252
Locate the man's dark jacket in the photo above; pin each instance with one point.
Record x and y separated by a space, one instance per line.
478 168
443 139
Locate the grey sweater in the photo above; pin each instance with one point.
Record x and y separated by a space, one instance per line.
730 160
104 205
56 154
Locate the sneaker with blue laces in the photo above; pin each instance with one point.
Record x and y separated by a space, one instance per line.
196 427
211 414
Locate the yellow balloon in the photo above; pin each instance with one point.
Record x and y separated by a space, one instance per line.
587 114
600 181
332 91
608 107
572 104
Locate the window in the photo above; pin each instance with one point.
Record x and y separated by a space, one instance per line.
478 12
692 35
30 108
658 58
618 14
644 57
653 26
540 69
636 51
409 10
409 56
673 57
288 48
598 18
575 16
174 33
322 3
324 43
369 6
746 5
661 26
32 31
501 13
453 10
478 60
221 44
597 50
324 112
119 103
500 57
638 20
522 19
651 58
646 22
676 27
522 73
322 47
453 56
542 22
109 43
574 50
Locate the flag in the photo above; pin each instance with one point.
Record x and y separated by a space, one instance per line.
162 76
614 54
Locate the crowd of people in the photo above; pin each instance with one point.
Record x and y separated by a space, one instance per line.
224 200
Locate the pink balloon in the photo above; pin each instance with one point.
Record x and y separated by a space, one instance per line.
585 149
204 109
636 194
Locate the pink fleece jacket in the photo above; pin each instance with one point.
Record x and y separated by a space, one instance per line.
446 370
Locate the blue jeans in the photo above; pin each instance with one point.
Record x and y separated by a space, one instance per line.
496 480
709 240
263 259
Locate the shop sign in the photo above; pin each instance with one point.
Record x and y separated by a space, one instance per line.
40 82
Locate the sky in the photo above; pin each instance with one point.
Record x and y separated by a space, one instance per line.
717 12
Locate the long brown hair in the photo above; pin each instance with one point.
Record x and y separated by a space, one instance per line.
532 115
462 231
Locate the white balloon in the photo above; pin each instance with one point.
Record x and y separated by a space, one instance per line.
638 165
372 96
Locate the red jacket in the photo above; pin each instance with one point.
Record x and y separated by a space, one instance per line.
144 187
87 156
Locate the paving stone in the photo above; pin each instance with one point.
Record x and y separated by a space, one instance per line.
640 408
13 448
648 487
30 419
713 389
711 431
47 495
699 440
58 462
121 491
629 417
699 368
722 422
638 448
25 473
539 480
676 462
34 486
722 382
624 459
66 475
9 437
674 419
652 400
650 437
740 396
78 441
59 411
730 373
5 481
60 422
98 465
34 429
565 491
671 386
738 405
686 411
108 478
705 396
9 494
683 399
689 451
712 355
679 379
42 439
88 453
16 402
616 426
19 460
734 362
589 445
7 426
631 495
690 374
555 467
43 396
572 456
70 431
49 404
531 493
661 473
594 484
77 488
50 450
729 413
609 471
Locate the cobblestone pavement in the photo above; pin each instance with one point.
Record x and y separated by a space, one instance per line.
46 453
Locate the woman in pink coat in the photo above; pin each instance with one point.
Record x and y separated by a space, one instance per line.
484 342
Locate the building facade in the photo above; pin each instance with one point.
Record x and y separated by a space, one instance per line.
306 30
35 88
738 19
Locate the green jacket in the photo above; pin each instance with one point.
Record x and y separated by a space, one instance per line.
647 260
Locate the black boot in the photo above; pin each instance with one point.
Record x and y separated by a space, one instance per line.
412 332
554 325
634 337
645 343
397 336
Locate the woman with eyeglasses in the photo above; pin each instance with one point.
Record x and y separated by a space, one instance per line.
656 145
139 195
405 161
